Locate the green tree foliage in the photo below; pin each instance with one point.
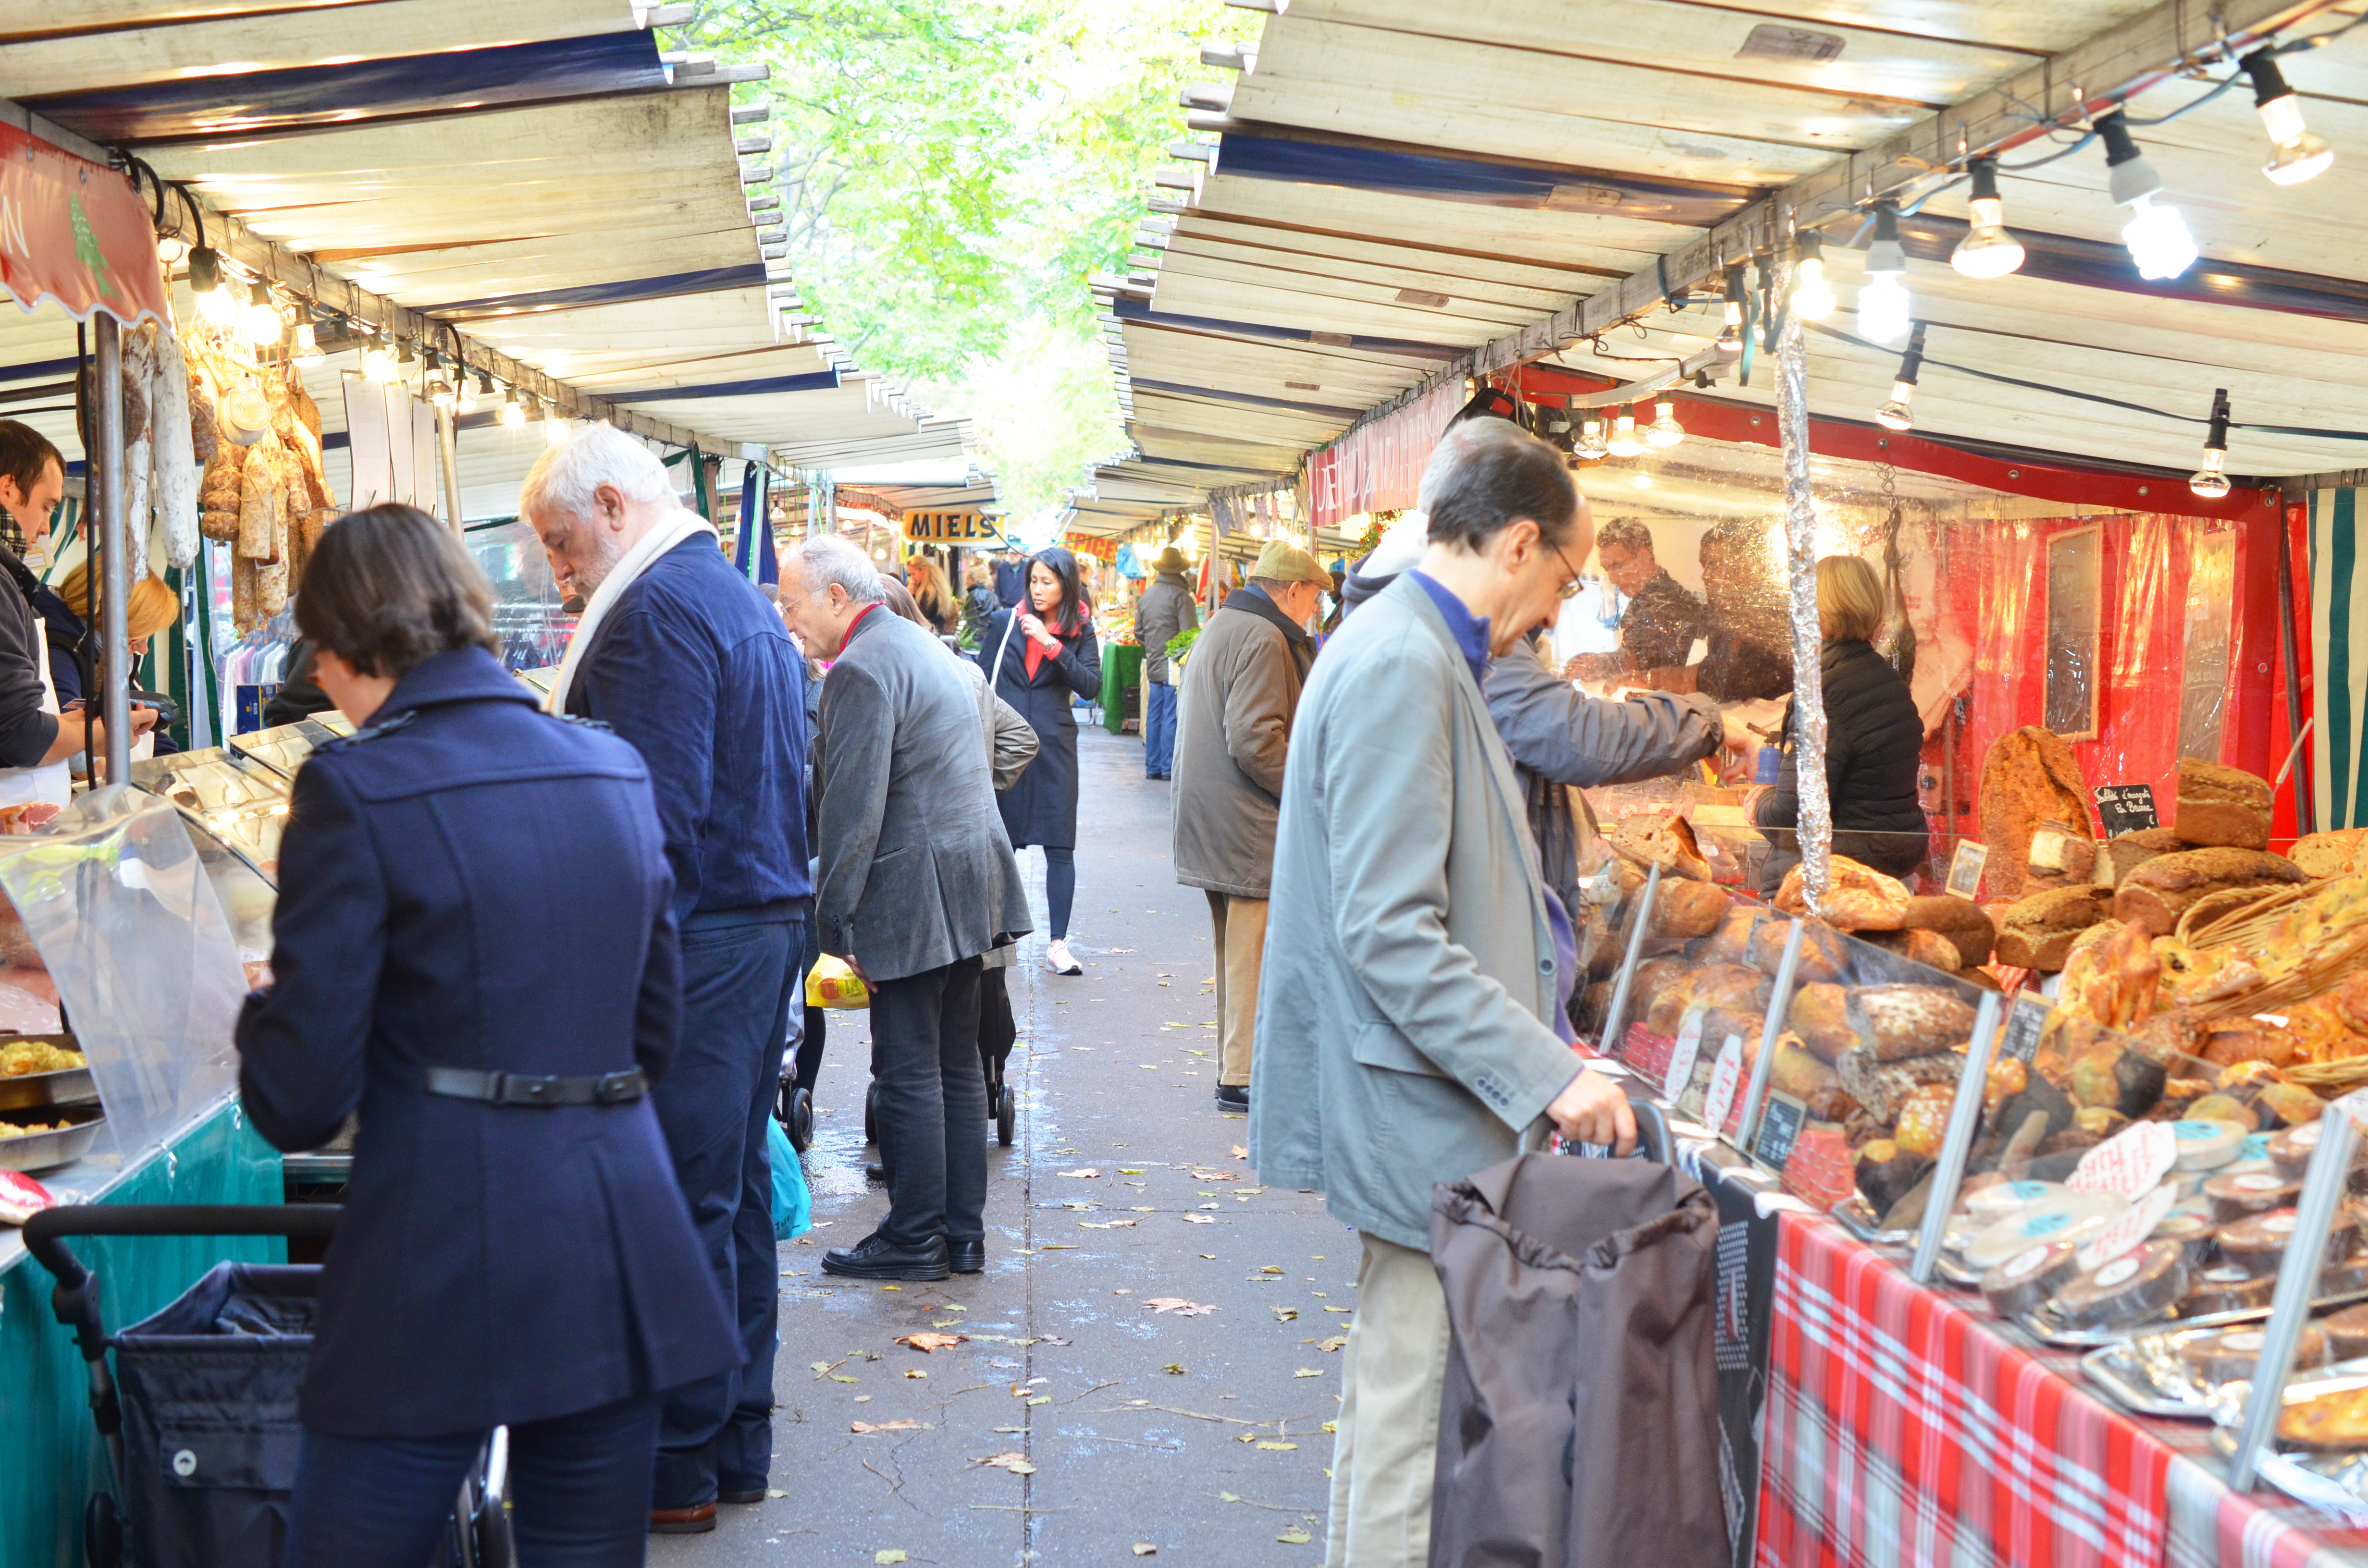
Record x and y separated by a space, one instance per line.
950 173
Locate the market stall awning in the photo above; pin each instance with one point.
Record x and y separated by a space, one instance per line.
1396 188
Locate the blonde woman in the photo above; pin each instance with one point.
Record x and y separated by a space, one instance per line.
1874 738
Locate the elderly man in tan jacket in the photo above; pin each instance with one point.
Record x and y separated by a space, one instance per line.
1241 687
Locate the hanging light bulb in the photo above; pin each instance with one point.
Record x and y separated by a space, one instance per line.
307 351
1893 416
554 428
1664 430
440 391
1813 298
2299 152
1884 306
1987 250
261 321
464 399
215 301
513 411
2158 237
1730 336
1589 447
378 359
485 390
2209 481
1624 442
171 249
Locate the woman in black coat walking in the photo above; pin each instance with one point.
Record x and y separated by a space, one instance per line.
1040 655
475 948
1874 740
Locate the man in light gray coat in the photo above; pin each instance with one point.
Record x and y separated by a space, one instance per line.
1405 1030
917 881
1165 609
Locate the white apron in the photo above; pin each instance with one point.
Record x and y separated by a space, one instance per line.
49 781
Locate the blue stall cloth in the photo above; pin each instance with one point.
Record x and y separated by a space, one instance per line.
792 1204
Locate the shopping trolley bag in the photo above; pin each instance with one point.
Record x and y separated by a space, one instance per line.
1580 1422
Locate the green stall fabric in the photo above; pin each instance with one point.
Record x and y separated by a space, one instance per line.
51 1457
1121 671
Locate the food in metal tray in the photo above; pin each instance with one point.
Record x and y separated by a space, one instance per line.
2329 1421
2228 1356
27 1129
2125 1289
2031 1276
20 1058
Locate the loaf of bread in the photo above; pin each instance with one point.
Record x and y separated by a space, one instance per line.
1881 1088
1823 955
1928 948
1820 1016
2131 850
2028 777
1731 943
1664 841
2221 806
2037 932
2061 855
1959 919
1895 1022
1687 909
1858 898
2333 854
2158 892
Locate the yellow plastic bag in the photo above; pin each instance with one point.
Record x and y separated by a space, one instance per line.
833 983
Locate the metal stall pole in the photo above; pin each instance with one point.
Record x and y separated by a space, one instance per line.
114 582
448 443
1816 833
2304 807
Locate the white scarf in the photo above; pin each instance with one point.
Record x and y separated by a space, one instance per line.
637 559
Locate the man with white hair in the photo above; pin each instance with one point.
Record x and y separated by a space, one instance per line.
916 882
681 654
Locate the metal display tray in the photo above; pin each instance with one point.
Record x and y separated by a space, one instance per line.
70 1085
2336 1482
47 1151
2044 1326
1857 1216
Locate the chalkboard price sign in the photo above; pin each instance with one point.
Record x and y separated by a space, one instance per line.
2020 1040
2127 808
1780 1124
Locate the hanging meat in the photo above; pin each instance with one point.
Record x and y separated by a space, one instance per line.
175 487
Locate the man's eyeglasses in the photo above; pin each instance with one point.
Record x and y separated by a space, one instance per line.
1569 589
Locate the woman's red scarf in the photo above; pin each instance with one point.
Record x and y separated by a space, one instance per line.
1035 655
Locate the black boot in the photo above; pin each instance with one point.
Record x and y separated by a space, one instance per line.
875 1257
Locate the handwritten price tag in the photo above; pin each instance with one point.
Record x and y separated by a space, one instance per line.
2129 1232
1682 1060
2132 1163
1725 1076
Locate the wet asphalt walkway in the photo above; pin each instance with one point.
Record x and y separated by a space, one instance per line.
1150 1362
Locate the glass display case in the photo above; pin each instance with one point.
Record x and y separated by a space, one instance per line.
283 749
529 616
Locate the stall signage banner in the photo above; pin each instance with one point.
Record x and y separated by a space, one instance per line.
952 528
74 232
1085 544
2127 808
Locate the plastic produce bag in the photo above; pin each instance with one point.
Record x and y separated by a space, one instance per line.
792 1204
833 983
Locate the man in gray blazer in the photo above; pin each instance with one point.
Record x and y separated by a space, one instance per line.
1416 964
917 881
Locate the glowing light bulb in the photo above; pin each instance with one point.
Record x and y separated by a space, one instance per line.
261 321
1590 446
1895 415
464 401
1664 430
1813 297
513 412
1884 311
307 350
2159 241
1624 442
440 391
2210 482
1987 250
377 360
215 301
2297 153
554 428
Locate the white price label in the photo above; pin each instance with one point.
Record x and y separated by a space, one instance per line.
1681 1055
1724 1078
2129 1232
2131 1163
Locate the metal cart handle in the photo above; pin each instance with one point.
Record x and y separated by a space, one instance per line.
75 1299
1652 1141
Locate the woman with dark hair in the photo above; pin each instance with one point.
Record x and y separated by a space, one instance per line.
1042 657
475 948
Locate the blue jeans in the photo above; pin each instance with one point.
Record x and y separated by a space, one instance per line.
737 985
579 1486
1158 727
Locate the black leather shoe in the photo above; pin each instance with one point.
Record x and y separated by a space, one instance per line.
966 1258
742 1498
1233 1097
875 1173
874 1257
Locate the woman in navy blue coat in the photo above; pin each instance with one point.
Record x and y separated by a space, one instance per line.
475 947
1049 655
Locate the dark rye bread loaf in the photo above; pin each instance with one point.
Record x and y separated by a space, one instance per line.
2221 806
2037 932
2157 894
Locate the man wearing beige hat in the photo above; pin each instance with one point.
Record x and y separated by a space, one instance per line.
1241 686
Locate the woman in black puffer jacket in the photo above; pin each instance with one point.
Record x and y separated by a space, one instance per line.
1875 739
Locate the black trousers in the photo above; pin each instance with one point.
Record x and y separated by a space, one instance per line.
932 1104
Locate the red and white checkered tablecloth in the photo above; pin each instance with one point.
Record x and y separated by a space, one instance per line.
1906 1426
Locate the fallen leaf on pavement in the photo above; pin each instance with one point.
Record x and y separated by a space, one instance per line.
1042 1399
1271 1269
916 1372
775 1491
1015 1461
1241 1151
1273 1447
1334 1342
1284 1314
1173 1368
885 1558
1145 1548
1331 1425
1294 1537
1057 1246
1121 1224
840 1378
1215 1175
1247 1437
864 1428
1340 1309
928 1344
1198 1219
1050 1339
1122 1170
1308 1372
1178 1305
1086 1171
